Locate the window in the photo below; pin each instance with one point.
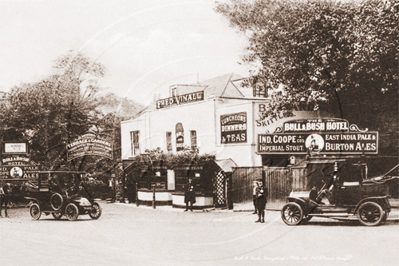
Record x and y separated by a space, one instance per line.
193 137
134 142
173 92
169 141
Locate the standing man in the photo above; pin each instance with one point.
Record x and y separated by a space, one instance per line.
261 199
255 185
5 193
189 195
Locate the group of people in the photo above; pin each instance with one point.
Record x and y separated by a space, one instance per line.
260 194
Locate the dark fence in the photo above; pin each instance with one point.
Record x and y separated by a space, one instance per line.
277 180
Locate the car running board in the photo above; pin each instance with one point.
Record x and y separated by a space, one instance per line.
330 214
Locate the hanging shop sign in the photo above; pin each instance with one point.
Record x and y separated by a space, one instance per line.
180 99
15 148
233 128
15 167
319 136
89 145
179 137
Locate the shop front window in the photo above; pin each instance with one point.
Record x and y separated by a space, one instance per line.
169 141
193 136
134 142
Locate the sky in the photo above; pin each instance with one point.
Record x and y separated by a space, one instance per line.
145 45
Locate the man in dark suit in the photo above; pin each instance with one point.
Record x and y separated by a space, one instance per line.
189 195
261 199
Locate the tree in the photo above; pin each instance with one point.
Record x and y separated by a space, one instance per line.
340 57
52 112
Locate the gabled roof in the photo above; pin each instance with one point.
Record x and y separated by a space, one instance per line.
222 86
216 87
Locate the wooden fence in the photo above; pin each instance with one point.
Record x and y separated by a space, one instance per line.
242 183
279 182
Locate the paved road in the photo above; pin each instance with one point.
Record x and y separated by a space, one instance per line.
127 235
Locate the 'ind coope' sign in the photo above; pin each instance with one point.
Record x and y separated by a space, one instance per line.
321 136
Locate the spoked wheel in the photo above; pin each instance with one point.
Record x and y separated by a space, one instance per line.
71 212
35 211
56 201
57 215
95 213
292 213
370 214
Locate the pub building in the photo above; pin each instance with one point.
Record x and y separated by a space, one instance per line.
220 117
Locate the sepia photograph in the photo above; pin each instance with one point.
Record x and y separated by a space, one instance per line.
199 132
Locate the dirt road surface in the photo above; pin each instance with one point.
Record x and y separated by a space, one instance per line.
130 235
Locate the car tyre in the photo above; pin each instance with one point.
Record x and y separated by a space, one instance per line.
370 213
35 211
57 215
292 213
95 213
71 212
56 201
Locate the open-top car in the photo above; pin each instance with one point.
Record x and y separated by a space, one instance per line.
345 194
48 196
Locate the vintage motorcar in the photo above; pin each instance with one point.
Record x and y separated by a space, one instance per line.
346 195
49 197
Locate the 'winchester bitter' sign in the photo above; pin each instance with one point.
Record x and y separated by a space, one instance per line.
234 128
89 145
321 136
180 99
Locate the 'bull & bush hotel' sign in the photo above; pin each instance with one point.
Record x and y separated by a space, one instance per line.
321 136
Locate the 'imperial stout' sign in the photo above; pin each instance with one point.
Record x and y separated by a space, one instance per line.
234 128
180 99
321 136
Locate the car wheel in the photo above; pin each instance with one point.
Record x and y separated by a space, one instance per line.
56 201
370 213
57 215
292 213
95 213
72 212
35 211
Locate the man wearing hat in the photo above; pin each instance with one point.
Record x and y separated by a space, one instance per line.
261 199
189 195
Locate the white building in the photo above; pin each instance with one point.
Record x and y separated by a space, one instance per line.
216 116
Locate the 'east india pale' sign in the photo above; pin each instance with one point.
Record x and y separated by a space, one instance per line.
89 145
318 136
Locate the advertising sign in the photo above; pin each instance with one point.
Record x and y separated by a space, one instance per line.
18 167
180 99
233 128
318 136
89 144
15 148
322 143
